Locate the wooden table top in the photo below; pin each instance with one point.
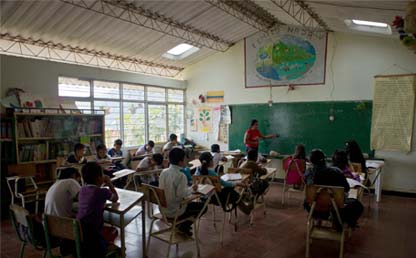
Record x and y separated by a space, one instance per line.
126 200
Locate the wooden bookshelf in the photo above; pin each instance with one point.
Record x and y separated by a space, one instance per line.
43 135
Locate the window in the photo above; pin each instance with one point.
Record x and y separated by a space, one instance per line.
157 123
134 124
133 113
70 87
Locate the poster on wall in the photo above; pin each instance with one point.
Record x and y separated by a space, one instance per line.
204 119
286 56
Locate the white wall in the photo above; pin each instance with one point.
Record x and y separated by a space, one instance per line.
40 77
352 62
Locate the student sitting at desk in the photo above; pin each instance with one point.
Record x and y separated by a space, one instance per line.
227 192
295 174
217 156
251 163
174 183
355 155
173 142
145 149
61 195
321 174
116 150
77 157
340 160
150 163
92 199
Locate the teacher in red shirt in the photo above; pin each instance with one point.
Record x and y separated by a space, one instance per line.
253 135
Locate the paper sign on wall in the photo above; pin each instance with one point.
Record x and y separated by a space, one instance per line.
204 119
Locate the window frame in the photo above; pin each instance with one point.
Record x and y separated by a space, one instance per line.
121 101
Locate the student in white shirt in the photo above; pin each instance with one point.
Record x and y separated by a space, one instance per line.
173 142
145 149
150 163
175 185
217 156
61 195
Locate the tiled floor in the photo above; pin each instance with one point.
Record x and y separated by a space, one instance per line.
387 230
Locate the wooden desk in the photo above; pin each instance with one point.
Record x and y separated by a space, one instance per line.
375 168
270 173
124 211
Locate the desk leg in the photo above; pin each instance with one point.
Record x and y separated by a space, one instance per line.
378 185
122 237
144 229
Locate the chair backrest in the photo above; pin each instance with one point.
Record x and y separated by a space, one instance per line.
62 227
19 214
293 164
154 195
325 197
211 180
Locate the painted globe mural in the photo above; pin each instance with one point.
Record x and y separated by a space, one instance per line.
286 59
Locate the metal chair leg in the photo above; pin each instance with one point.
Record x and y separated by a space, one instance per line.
22 249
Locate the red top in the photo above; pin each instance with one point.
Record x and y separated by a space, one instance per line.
253 136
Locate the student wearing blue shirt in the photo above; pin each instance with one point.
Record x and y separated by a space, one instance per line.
227 191
116 150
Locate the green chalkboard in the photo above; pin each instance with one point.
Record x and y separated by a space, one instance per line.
304 122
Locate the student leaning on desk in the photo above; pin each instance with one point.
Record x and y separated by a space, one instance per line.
175 186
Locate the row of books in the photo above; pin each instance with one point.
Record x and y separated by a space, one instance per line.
32 152
58 128
6 129
57 149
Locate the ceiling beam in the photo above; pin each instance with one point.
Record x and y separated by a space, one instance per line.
247 12
48 50
303 14
129 12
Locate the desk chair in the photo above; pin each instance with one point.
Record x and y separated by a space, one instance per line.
23 224
169 235
290 164
26 190
326 200
69 229
357 168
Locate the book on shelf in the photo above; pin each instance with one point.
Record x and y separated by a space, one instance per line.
32 152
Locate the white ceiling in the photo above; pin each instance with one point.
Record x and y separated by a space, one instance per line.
67 24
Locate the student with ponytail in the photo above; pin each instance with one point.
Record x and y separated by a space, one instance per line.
207 169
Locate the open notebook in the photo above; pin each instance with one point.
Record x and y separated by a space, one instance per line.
204 189
353 183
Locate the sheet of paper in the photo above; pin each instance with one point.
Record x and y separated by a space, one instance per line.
231 177
353 183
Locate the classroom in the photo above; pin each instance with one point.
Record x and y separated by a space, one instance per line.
208 128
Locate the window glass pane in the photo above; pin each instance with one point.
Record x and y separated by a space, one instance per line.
71 87
157 123
176 120
133 92
134 124
106 90
112 120
83 105
175 95
156 94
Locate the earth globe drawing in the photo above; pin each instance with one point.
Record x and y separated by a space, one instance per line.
288 58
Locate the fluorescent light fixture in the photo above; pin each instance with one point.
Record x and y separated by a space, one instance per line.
368 26
180 52
180 49
370 23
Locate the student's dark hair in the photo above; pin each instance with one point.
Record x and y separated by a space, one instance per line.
205 159
355 154
215 148
317 157
90 172
299 152
68 173
340 159
101 147
158 158
118 142
78 146
252 155
151 144
253 122
173 137
176 155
